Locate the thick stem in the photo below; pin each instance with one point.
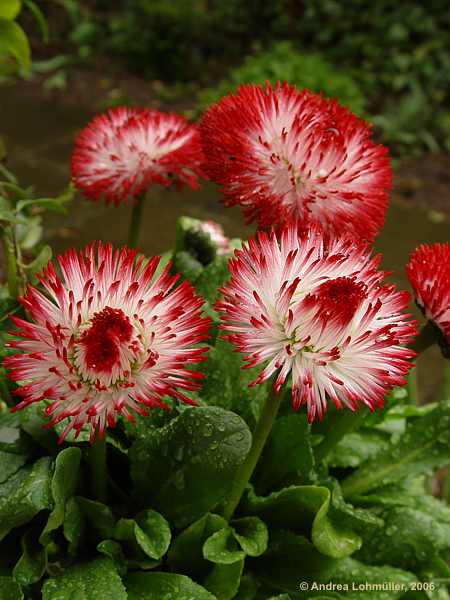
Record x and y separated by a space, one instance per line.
345 422
412 386
135 223
446 382
260 435
9 250
426 338
97 461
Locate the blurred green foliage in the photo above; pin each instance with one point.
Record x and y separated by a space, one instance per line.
14 47
399 53
283 62
390 61
15 53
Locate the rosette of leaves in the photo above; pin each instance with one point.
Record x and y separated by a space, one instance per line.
357 511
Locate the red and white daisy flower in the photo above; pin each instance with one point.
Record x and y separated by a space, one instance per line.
316 307
108 339
429 273
120 154
286 155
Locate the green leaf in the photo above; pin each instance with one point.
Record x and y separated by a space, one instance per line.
36 265
30 232
186 552
74 437
9 9
291 559
150 530
226 384
4 172
304 509
33 562
64 483
9 215
12 439
10 464
96 579
187 467
332 540
358 447
287 452
360 520
222 548
98 516
416 528
252 535
24 495
73 525
57 204
113 550
10 589
15 192
355 574
152 533
33 420
410 538
156 586
422 448
224 580
212 278
14 42
248 588
39 17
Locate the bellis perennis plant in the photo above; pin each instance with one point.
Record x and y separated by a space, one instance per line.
109 339
284 154
123 152
315 307
220 426
429 273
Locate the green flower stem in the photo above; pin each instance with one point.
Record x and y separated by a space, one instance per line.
260 435
344 422
446 382
412 386
9 250
426 338
97 461
136 219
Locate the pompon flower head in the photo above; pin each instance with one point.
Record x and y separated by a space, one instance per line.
429 273
121 153
110 338
316 307
287 155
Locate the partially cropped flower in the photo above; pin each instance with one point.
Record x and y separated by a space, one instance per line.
108 339
120 154
316 308
216 235
286 155
429 273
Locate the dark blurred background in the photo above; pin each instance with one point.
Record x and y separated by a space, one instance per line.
387 61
